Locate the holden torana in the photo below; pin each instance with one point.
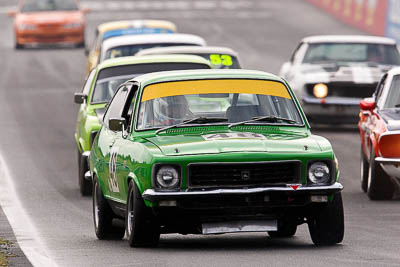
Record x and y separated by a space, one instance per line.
100 87
209 152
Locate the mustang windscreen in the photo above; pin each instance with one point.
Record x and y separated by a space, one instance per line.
352 52
393 99
48 5
131 50
108 80
222 101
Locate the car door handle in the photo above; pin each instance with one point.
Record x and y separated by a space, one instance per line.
111 144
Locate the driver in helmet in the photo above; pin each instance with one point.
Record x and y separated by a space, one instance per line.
171 110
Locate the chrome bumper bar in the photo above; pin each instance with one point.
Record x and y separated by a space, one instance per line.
152 195
387 160
342 101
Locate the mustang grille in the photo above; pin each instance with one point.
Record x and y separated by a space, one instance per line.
346 89
207 175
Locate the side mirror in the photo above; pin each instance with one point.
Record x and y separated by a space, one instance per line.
12 13
117 124
368 104
80 98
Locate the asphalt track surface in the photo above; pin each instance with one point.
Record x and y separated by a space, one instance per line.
37 120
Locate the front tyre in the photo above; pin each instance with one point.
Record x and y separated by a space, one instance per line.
141 227
85 186
18 46
103 216
364 166
379 186
327 227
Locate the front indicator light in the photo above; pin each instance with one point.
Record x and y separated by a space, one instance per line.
167 177
319 173
320 90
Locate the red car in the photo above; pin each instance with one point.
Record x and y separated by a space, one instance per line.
49 22
380 138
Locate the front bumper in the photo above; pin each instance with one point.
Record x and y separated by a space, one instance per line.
235 210
74 36
152 195
337 108
390 165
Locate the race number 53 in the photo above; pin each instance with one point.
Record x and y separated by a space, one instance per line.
225 60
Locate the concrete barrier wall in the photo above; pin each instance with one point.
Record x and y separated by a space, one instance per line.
373 16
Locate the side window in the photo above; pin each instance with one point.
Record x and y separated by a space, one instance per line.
295 56
88 83
129 107
379 88
117 104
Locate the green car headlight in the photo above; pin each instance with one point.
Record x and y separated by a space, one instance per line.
319 173
167 177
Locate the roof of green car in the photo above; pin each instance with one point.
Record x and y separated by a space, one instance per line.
167 76
120 61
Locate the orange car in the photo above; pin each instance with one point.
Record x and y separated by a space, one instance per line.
49 22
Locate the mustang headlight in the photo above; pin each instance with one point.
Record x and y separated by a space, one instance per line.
167 177
320 90
319 173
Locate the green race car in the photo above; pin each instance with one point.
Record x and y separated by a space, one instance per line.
210 152
99 88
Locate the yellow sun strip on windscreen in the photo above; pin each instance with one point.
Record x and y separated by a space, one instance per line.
228 86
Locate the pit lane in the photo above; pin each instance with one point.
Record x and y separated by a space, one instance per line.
37 118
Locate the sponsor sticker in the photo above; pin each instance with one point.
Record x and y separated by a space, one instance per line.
222 136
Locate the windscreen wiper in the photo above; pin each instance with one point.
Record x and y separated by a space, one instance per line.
269 118
194 120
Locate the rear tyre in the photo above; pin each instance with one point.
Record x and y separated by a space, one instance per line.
284 230
103 216
327 227
379 186
142 230
85 186
364 166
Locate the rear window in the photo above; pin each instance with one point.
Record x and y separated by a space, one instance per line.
221 61
108 80
48 5
131 50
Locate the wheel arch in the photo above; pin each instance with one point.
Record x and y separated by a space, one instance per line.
133 177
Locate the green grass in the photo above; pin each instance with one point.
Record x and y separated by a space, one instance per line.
3 256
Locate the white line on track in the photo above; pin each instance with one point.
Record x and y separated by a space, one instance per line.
24 230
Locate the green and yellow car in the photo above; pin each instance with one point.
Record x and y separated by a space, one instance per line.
99 88
210 152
